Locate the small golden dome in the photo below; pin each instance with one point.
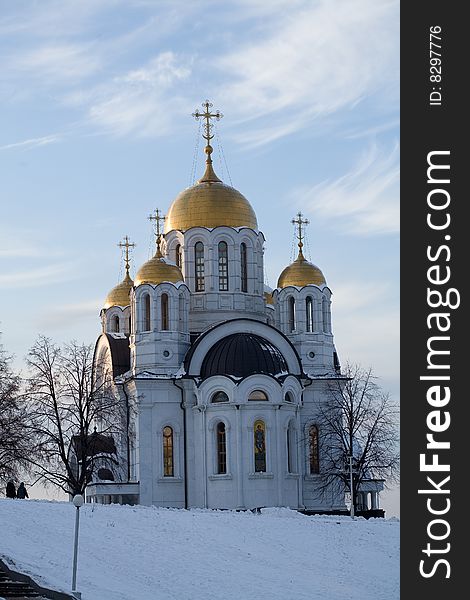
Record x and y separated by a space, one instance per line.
119 295
268 298
210 203
156 270
300 273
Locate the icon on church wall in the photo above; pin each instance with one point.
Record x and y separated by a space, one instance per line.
260 446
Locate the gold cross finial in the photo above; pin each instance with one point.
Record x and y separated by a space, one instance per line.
158 218
209 175
126 244
207 115
299 221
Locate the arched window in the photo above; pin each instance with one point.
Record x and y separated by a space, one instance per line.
221 449
290 440
291 314
258 395
178 255
223 267
259 442
199 266
164 306
219 397
336 362
146 303
115 324
309 313
181 305
243 268
314 462
288 397
168 467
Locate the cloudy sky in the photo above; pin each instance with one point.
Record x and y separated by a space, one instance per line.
96 132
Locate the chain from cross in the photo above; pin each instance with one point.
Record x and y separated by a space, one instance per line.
207 115
126 244
299 222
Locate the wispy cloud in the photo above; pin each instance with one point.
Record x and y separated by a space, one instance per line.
34 142
367 197
132 103
55 63
350 296
37 277
58 317
319 59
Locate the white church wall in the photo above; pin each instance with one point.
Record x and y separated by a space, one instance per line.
159 406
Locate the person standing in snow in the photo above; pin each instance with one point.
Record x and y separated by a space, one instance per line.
11 491
22 493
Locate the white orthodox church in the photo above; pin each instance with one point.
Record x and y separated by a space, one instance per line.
221 378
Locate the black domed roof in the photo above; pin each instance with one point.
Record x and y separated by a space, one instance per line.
243 354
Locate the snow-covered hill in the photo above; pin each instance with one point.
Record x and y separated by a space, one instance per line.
140 553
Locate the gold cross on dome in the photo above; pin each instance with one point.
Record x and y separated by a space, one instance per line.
158 218
126 244
299 221
207 115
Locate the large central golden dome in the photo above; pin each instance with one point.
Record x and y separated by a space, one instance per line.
210 203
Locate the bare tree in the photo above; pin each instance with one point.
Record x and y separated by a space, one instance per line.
17 444
359 421
66 408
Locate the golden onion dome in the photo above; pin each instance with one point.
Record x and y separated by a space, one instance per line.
119 295
300 273
157 270
268 295
210 203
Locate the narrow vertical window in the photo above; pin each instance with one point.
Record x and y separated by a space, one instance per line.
199 266
313 449
116 324
259 434
325 315
168 468
223 266
243 268
164 306
289 450
178 255
309 315
291 314
221 449
336 362
146 312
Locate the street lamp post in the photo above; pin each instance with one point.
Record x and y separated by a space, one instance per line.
78 502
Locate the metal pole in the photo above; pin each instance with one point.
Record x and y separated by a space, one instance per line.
77 502
75 551
351 483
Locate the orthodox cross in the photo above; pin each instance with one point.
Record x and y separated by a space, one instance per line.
158 218
299 221
207 115
126 244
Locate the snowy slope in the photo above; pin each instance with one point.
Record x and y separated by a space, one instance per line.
140 553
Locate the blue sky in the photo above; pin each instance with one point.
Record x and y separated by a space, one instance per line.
96 132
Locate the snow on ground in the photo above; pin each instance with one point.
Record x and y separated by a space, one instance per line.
142 553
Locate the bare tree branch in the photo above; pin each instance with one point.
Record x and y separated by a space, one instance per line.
66 409
358 420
